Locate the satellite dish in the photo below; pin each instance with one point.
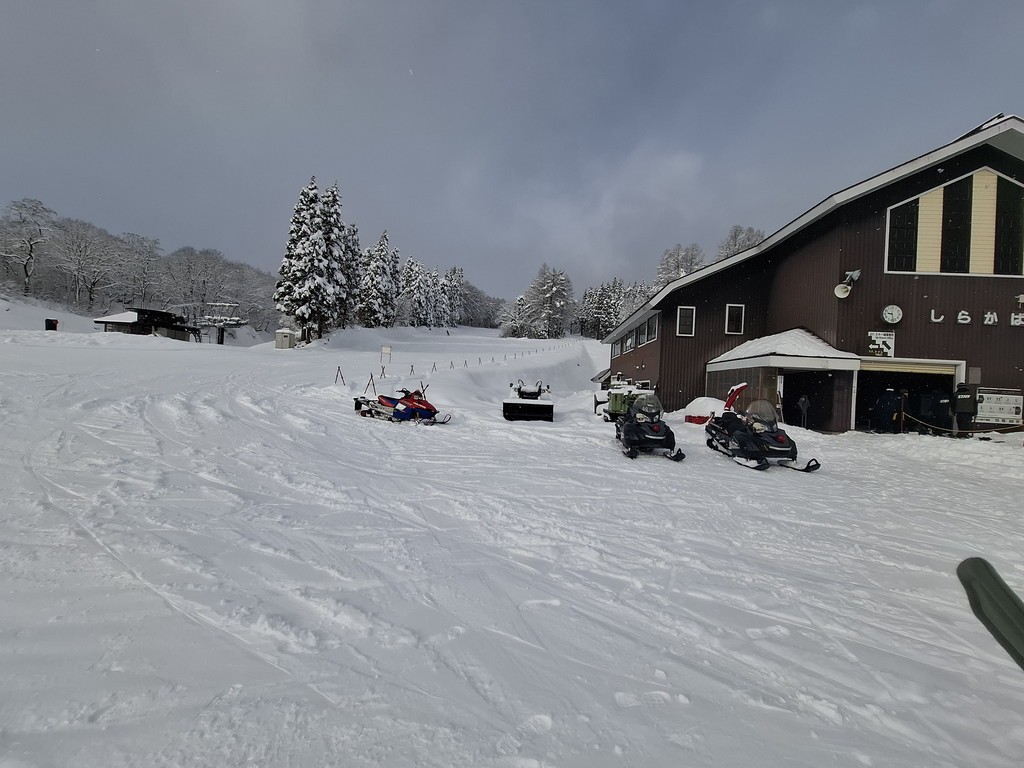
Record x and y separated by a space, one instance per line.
841 291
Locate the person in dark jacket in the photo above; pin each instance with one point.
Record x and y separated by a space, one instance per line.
965 406
887 408
904 409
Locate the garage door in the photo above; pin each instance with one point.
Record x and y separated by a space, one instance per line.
941 367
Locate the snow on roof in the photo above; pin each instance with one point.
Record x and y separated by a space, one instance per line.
797 342
123 317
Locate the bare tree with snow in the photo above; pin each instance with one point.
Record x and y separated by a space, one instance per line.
678 261
739 239
25 229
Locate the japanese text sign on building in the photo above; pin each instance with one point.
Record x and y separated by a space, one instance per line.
883 343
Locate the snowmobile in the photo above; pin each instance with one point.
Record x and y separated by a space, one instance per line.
753 437
528 403
407 406
641 429
621 394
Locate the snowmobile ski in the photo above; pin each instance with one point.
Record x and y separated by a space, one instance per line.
810 466
761 464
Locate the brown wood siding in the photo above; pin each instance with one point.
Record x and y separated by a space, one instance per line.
640 364
854 237
643 363
684 357
792 284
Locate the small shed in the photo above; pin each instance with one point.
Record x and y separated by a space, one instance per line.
284 338
148 322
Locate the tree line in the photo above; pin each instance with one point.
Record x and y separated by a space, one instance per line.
602 308
326 281
86 268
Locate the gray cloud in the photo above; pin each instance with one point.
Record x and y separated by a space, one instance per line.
590 135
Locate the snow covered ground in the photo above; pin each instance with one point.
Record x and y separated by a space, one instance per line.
208 559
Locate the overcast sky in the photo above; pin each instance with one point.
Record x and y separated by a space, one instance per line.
495 135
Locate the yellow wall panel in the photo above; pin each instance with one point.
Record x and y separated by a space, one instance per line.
929 231
983 223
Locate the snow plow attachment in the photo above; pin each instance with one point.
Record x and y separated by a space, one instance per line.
528 403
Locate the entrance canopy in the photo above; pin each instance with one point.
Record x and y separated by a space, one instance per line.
794 349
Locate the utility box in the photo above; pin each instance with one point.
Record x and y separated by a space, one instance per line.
284 338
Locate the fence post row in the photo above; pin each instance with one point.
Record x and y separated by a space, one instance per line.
386 351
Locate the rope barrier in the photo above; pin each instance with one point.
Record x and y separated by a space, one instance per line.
1014 428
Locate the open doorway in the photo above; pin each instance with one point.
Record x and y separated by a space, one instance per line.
818 389
927 399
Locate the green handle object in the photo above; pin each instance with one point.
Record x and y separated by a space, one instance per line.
995 604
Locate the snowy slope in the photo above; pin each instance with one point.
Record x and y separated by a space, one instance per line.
208 559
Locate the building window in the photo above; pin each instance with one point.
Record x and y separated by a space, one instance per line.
627 342
956 226
652 328
1009 228
903 237
616 348
641 334
685 321
734 318
974 225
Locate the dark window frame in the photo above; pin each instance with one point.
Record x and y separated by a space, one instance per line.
743 315
692 323
1009 245
652 329
903 226
957 208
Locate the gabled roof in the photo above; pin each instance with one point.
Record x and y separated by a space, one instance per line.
795 348
1004 132
796 342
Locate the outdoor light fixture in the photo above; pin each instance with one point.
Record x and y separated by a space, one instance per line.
843 289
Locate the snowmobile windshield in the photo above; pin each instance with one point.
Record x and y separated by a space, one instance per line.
646 407
763 411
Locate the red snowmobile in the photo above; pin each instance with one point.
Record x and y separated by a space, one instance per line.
407 406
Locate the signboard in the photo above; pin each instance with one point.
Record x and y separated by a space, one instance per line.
883 343
999 406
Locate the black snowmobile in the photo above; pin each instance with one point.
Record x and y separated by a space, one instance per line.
753 437
641 430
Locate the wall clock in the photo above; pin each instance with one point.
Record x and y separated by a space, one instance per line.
892 314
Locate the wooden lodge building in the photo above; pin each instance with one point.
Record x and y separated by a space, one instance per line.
913 279
147 322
